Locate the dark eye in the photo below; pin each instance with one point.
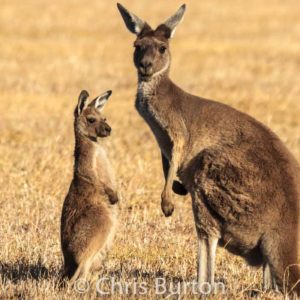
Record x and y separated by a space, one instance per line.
91 120
136 46
162 49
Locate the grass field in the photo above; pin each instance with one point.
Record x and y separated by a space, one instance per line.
243 53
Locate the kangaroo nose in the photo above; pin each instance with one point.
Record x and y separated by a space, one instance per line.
146 65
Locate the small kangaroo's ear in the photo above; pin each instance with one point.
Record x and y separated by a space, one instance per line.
173 21
101 100
132 22
82 101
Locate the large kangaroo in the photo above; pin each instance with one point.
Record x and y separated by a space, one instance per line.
243 181
88 217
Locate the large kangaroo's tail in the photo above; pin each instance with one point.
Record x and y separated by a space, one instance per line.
280 249
82 271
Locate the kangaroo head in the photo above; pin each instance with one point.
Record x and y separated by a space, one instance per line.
152 55
89 120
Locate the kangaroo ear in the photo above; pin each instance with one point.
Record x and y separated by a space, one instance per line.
132 22
82 101
101 100
174 20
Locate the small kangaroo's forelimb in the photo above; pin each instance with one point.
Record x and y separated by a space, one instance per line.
112 195
177 187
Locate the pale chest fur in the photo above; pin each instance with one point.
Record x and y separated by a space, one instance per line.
147 106
101 166
145 103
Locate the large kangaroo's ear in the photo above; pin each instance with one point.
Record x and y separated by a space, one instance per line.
132 22
82 101
174 20
101 100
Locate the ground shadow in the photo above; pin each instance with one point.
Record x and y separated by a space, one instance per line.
23 270
142 274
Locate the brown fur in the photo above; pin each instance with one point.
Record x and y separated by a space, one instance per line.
243 181
88 215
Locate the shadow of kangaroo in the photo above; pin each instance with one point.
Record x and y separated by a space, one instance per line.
243 181
89 215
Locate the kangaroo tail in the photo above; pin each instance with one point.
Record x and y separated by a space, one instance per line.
82 270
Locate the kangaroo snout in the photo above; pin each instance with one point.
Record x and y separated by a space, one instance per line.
146 67
107 128
104 130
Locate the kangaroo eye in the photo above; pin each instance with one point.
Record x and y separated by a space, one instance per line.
91 120
162 49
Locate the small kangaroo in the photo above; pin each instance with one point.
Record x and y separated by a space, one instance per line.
243 181
88 216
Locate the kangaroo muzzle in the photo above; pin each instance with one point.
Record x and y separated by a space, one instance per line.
104 130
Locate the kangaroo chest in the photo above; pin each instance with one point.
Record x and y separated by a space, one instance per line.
154 117
101 166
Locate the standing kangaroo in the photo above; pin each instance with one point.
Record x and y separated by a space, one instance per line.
88 216
243 181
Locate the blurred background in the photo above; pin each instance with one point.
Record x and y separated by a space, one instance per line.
243 53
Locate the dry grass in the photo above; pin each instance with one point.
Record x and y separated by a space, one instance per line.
244 53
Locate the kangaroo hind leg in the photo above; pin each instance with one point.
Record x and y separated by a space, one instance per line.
283 271
206 260
82 270
269 282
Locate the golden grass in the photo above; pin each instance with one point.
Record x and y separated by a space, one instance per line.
244 53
